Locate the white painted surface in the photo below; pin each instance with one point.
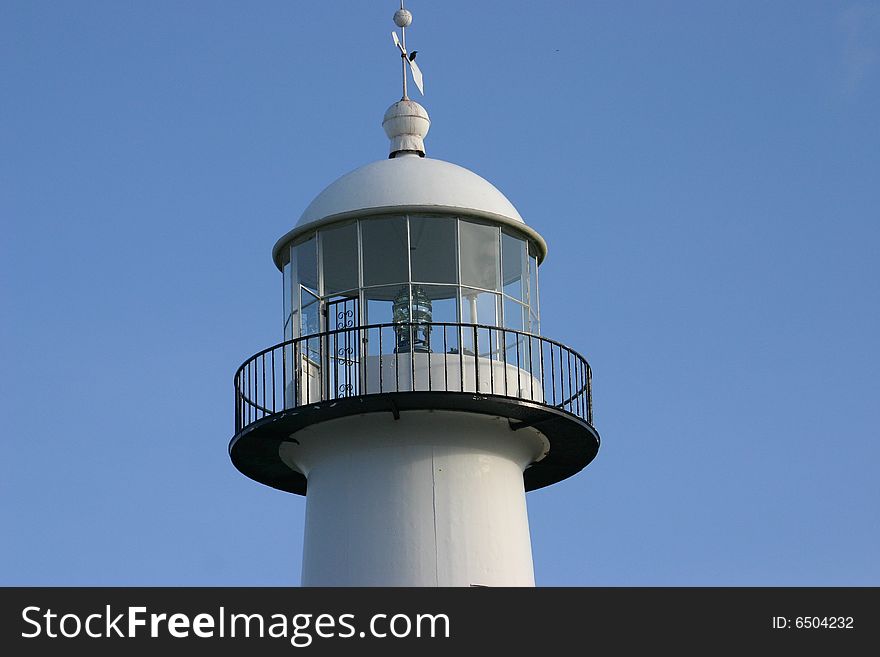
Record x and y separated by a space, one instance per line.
435 498
409 181
450 373
418 372
406 123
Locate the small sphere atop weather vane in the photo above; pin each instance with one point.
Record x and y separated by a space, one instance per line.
402 18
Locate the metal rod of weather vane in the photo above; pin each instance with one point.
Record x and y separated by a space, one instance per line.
403 59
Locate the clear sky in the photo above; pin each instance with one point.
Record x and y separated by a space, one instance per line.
707 177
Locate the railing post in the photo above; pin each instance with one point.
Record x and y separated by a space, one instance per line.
396 364
237 404
504 356
543 370
490 333
380 359
476 362
412 358
429 352
570 389
519 385
284 376
590 393
531 374
445 361
461 357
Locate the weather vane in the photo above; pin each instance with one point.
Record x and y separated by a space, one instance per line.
403 19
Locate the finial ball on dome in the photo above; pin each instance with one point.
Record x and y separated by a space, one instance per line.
406 123
402 18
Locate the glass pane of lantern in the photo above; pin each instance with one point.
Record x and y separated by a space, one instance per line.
305 262
311 313
478 307
293 325
533 284
442 301
385 250
435 304
389 304
432 249
287 296
515 315
339 250
479 255
514 265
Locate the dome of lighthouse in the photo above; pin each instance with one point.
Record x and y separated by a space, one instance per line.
409 182
412 182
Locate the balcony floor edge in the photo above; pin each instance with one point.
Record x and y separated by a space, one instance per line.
574 443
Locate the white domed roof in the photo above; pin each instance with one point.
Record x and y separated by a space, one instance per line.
409 184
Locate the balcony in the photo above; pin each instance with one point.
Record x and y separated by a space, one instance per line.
396 367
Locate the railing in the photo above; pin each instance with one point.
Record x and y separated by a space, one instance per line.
412 357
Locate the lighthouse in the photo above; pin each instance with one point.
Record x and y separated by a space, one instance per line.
414 399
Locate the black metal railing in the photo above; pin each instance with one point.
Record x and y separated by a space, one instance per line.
412 357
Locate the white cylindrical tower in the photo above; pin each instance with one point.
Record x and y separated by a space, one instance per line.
413 400
433 499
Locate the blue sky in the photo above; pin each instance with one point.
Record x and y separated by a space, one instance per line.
706 176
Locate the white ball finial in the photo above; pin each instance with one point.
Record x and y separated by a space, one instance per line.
402 18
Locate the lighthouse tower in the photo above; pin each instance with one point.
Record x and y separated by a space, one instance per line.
414 400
